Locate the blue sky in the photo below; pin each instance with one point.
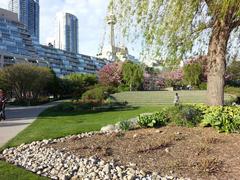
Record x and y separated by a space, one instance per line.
91 14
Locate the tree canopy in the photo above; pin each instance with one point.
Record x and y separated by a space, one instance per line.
175 29
76 84
27 82
132 75
111 74
192 74
170 28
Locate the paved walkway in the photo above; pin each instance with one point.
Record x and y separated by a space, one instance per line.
18 118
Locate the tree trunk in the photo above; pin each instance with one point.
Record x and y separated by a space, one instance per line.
130 86
217 63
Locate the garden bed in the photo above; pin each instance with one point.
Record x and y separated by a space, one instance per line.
178 151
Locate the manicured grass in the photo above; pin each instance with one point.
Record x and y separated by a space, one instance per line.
143 98
11 172
53 124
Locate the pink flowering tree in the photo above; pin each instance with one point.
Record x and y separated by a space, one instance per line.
111 74
153 82
173 78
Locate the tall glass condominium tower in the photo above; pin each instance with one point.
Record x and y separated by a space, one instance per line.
68 33
28 14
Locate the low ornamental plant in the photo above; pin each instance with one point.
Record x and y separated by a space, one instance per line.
157 119
224 119
184 115
125 125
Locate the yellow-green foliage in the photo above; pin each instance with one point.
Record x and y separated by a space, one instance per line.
223 118
170 27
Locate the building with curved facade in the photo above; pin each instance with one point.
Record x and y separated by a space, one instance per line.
28 14
17 46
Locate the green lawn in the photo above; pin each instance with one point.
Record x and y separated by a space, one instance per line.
11 172
51 124
143 98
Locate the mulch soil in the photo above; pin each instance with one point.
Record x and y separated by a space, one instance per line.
196 153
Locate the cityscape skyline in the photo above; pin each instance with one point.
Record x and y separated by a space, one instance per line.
91 15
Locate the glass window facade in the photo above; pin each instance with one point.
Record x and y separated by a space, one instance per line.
17 42
68 33
28 14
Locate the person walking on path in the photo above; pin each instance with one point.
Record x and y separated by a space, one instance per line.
2 105
176 99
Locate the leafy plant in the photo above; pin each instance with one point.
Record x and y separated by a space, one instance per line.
98 94
184 115
224 119
193 73
125 125
132 75
76 84
153 120
202 86
65 107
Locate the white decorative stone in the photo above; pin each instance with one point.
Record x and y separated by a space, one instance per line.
56 164
108 128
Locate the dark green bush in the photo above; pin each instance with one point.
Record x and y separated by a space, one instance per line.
74 85
202 86
110 89
65 107
123 88
98 94
193 73
184 115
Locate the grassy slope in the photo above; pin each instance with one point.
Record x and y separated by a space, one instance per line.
162 97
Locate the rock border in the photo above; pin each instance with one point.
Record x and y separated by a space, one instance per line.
58 165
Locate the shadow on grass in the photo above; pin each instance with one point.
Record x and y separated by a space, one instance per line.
54 111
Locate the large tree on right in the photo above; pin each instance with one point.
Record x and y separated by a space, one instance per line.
172 29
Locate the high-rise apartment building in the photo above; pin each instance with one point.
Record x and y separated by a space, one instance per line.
68 33
28 14
17 46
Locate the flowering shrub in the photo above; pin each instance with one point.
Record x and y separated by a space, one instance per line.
111 74
153 82
173 78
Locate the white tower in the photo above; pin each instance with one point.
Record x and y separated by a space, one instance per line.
111 21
